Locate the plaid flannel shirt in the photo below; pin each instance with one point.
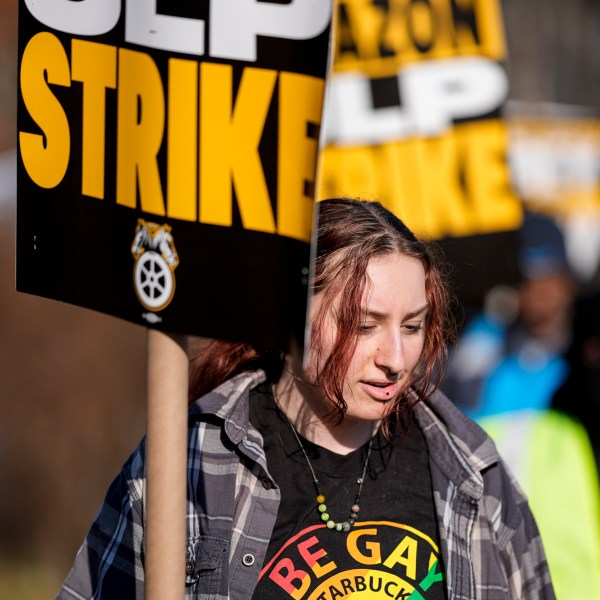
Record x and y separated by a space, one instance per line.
490 543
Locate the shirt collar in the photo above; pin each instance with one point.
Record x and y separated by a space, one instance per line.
230 402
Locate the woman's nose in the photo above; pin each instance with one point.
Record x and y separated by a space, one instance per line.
390 356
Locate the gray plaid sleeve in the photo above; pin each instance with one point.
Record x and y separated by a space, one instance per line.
518 539
111 556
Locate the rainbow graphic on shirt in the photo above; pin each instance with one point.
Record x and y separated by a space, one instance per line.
375 559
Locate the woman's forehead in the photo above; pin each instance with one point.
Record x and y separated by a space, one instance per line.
395 279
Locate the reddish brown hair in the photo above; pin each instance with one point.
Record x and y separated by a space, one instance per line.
350 234
218 362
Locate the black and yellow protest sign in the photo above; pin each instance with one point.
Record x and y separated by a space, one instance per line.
413 119
167 161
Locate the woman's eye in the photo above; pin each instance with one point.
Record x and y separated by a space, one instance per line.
365 328
412 328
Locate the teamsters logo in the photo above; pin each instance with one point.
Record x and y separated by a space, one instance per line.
155 262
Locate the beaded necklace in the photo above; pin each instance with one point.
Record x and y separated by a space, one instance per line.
325 516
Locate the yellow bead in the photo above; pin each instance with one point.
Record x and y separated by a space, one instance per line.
320 499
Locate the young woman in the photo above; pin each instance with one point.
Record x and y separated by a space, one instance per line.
346 476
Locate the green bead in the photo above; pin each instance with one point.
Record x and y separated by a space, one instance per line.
330 524
324 517
322 508
338 526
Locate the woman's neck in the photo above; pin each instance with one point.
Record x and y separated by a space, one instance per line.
306 406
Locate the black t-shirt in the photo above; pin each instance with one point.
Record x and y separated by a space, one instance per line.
393 549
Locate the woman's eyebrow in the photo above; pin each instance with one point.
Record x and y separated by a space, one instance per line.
417 313
375 314
381 316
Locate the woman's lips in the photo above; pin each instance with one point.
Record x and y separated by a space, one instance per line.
380 390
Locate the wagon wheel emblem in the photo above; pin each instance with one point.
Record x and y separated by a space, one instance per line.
155 262
153 280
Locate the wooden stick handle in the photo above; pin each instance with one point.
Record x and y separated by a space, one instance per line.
166 470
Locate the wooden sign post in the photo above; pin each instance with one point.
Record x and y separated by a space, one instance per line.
166 453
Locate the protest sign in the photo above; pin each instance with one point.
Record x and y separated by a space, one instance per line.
166 162
413 118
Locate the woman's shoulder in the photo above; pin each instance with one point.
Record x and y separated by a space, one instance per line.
467 456
462 456
446 420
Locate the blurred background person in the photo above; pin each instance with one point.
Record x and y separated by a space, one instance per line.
517 342
517 362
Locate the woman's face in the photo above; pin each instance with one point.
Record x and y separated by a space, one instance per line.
391 336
